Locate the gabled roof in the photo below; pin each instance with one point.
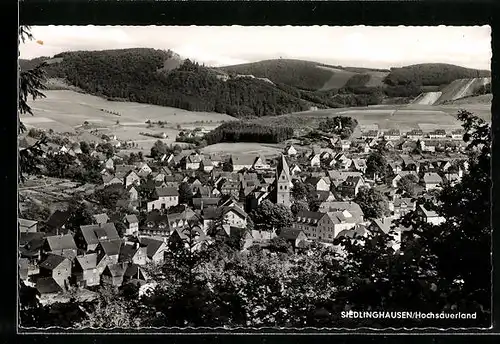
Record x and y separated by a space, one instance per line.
116 270
58 219
26 223
236 209
166 192
311 217
47 285
61 242
93 234
351 207
124 168
243 159
52 261
88 261
112 247
357 231
290 233
131 219
382 225
152 245
127 252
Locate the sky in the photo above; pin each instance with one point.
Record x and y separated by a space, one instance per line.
357 46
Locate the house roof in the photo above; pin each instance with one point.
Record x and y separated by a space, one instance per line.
52 261
88 261
131 219
127 252
166 192
207 201
358 230
124 168
58 219
47 285
344 216
383 225
235 209
432 178
243 159
93 234
290 233
116 270
427 213
309 216
61 242
132 270
112 247
351 207
26 223
152 245
336 175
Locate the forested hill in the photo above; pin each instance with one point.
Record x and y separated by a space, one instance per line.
141 75
432 74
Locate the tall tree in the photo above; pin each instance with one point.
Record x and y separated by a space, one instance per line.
31 82
271 217
372 202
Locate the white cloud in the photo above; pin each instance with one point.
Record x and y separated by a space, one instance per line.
381 47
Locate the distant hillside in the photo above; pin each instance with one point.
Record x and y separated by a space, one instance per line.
157 77
432 74
308 75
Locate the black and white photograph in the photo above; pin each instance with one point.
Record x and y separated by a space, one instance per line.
254 177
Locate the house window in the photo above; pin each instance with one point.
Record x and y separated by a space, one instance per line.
281 187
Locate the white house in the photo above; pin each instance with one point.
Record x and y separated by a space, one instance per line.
166 197
432 181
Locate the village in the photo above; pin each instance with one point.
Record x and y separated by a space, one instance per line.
215 195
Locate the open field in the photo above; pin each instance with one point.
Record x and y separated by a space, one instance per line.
338 79
265 149
70 109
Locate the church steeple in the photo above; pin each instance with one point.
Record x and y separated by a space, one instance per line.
283 182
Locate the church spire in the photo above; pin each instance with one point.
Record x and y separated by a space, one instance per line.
283 167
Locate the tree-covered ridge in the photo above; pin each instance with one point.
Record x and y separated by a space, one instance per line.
297 73
432 74
248 132
139 75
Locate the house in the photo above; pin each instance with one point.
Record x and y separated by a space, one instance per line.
181 220
56 223
241 161
370 135
113 274
352 207
111 180
295 170
63 245
429 216
386 226
323 226
320 184
437 134
134 253
293 236
410 165
389 145
57 267
432 181
402 206
156 224
260 163
206 165
290 151
132 178
235 216
85 273
415 134
155 249
428 146
134 273
344 145
143 169
100 218
132 224
457 134
365 147
192 162
230 188
315 160
48 289
359 165
392 135
181 236
133 192
166 197
350 187
92 235
204 202
108 253
402 174
27 226
338 177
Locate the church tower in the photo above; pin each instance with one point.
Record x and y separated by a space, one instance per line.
283 183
